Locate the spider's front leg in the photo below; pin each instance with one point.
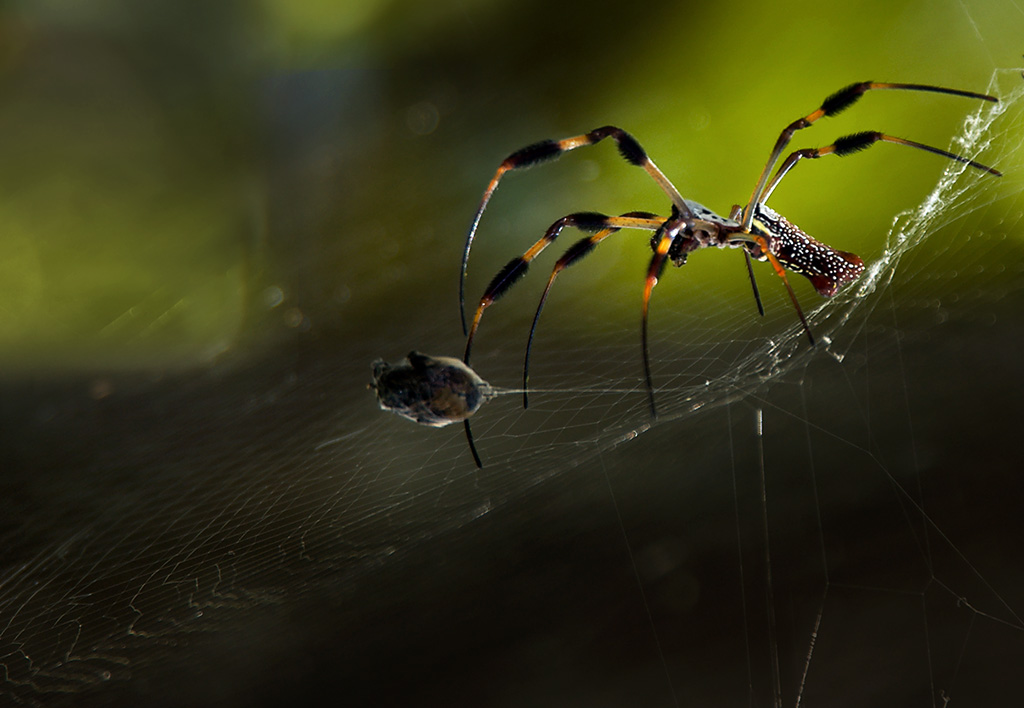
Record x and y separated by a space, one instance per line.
546 150
675 240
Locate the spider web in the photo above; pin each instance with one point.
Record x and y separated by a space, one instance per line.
824 526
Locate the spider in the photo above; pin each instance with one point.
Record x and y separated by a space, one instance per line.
760 232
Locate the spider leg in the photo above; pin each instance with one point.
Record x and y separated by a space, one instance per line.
575 253
781 272
516 268
654 270
833 105
546 150
735 214
753 282
849 144
472 445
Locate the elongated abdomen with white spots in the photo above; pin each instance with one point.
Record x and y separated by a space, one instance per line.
828 269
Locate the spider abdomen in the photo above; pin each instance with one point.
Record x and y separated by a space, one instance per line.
827 268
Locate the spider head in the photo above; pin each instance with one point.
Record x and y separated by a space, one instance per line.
678 251
682 246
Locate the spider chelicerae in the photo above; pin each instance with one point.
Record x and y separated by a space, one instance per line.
760 232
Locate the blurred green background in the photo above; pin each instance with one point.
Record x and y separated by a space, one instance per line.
186 179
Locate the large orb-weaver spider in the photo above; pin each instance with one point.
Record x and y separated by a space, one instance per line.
758 230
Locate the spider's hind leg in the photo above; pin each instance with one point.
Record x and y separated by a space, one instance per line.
735 214
831 106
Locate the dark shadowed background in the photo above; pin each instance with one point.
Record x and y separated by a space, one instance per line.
215 216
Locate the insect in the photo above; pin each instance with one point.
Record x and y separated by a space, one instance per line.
756 229
432 391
